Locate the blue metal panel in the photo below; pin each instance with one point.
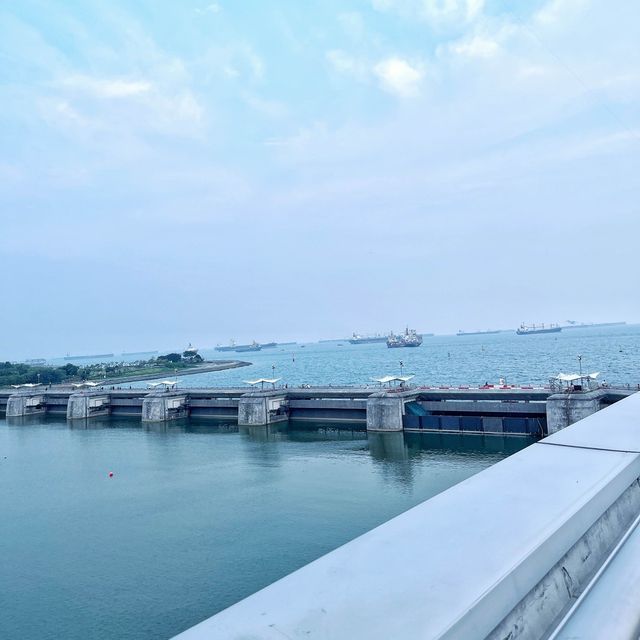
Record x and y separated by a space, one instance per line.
430 422
471 423
514 425
411 421
535 426
450 423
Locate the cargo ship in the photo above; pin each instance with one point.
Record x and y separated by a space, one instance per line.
358 339
591 325
243 348
96 355
526 330
190 352
407 339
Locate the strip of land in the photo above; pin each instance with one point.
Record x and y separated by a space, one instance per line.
204 367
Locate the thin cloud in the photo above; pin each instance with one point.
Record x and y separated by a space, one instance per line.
399 77
344 63
214 7
476 47
436 12
108 87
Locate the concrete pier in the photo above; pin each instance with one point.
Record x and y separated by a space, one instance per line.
88 404
160 406
261 408
26 403
385 411
566 408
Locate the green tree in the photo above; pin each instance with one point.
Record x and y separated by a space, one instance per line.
70 369
171 357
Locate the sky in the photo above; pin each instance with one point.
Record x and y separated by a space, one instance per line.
196 171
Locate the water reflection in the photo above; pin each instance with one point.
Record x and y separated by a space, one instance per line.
314 431
264 433
391 456
200 490
22 421
470 443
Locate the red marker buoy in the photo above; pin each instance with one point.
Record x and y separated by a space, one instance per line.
111 474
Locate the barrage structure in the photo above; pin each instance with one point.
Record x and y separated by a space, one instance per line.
504 410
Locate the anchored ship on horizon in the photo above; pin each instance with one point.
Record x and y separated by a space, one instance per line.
526 330
358 339
410 338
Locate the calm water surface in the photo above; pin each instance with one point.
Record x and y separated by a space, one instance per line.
441 360
196 516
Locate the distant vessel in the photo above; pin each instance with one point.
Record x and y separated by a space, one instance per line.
591 325
269 345
231 347
525 330
242 348
358 339
95 355
408 339
478 333
190 352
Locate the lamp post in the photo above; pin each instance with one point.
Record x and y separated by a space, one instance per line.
580 366
401 366
273 374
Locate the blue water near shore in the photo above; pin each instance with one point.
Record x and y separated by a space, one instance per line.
196 516
442 360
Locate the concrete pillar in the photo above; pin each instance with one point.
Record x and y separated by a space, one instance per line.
384 412
564 409
160 406
85 404
25 404
257 409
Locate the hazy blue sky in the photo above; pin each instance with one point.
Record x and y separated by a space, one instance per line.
196 171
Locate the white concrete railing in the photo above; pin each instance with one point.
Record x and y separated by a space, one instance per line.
506 551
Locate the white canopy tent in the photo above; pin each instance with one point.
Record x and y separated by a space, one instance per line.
572 377
389 379
28 385
164 383
575 381
261 381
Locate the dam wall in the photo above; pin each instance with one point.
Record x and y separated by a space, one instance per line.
503 411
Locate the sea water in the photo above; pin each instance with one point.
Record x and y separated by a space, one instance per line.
195 516
441 360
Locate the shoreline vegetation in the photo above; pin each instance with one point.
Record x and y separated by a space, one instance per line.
111 373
